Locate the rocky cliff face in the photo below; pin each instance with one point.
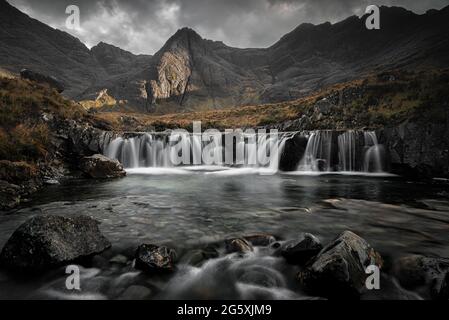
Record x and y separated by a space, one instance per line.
419 149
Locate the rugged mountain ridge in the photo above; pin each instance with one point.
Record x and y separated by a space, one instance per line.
192 73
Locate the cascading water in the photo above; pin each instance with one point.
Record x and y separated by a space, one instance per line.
338 151
317 156
326 151
374 155
153 150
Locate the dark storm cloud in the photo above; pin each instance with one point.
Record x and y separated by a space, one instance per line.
143 26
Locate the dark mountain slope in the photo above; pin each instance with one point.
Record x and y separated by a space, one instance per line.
28 43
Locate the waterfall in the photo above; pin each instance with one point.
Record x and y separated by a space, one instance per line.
159 150
326 151
343 151
374 155
317 156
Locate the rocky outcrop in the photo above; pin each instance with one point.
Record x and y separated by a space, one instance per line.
260 239
17 180
101 167
43 79
301 250
419 148
426 275
239 245
153 259
338 271
49 241
292 153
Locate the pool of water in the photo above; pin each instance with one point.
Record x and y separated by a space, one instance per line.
189 209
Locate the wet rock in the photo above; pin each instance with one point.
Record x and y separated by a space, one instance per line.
154 259
426 275
301 250
101 167
389 290
43 79
238 245
48 241
119 259
197 257
338 271
260 276
292 153
136 293
260 240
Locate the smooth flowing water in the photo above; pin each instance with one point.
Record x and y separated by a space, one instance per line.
190 208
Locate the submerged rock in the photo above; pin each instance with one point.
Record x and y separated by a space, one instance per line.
154 259
135 292
260 239
425 275
301 250
49 241
101 167
338 271
197 257
238 245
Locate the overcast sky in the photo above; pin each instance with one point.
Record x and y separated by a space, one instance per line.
143 26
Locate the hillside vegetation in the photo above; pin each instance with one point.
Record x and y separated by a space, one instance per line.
376 101
25 109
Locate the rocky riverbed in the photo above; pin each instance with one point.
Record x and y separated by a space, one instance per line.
285 238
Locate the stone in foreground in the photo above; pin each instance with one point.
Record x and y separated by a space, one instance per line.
49 241
153 259
101 167
238 245
301 250
428 276
260 239
338 271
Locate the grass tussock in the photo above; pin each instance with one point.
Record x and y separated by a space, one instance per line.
24 129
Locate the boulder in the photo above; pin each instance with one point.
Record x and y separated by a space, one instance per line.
292 153
101 167
49 241
426 275
153 259
260 239
338 271
238 245
43 79
301 250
